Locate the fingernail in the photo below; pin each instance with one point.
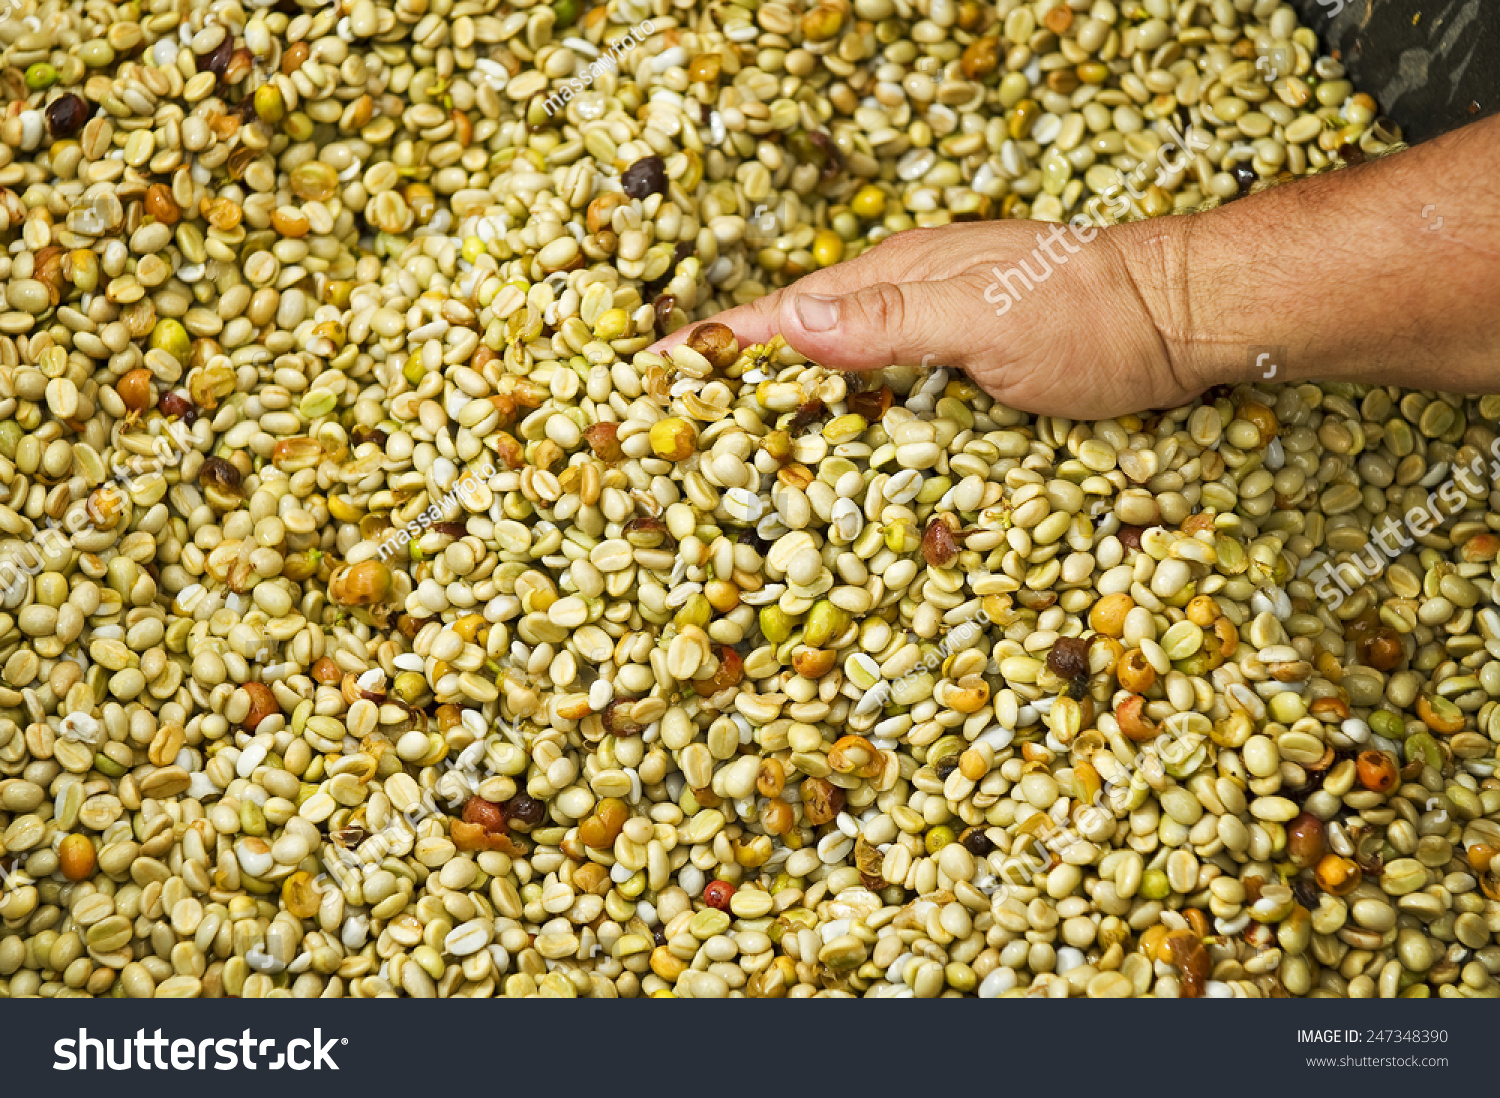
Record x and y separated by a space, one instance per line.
817 312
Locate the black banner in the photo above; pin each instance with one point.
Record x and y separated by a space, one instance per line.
1230 1047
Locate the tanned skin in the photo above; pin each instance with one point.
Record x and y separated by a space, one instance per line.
1384 273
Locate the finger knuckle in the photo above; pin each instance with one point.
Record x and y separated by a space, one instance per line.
886 307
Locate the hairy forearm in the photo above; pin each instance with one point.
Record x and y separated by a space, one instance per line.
1386 273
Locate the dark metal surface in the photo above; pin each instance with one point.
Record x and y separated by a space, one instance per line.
1432 65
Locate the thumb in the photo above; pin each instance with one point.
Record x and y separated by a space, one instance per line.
884 324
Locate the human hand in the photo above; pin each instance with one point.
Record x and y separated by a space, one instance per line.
1135 318
1082 343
